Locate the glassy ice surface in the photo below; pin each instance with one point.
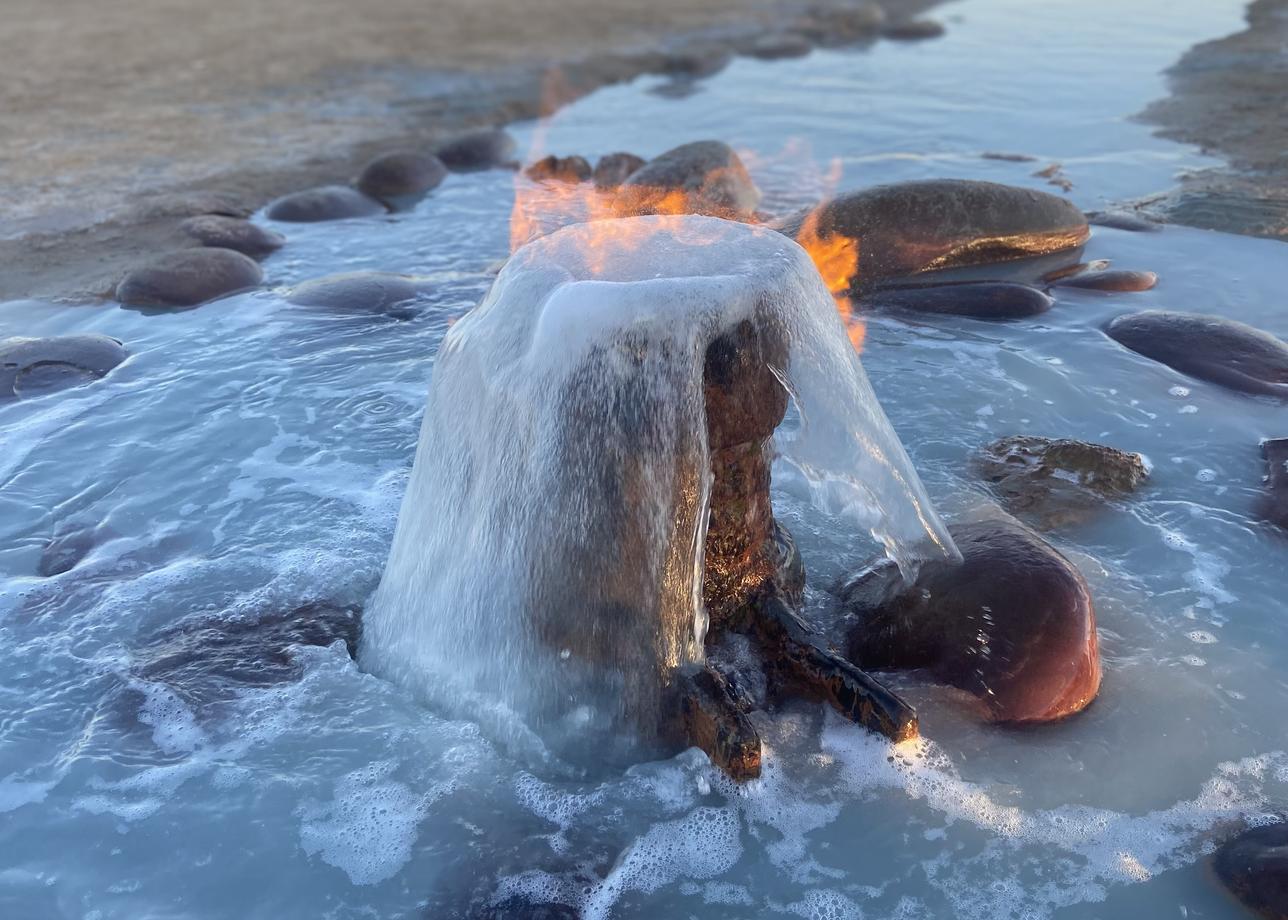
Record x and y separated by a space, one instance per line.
250 457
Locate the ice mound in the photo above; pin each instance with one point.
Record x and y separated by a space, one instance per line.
549 550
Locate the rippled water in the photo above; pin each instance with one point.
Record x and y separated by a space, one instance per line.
250 457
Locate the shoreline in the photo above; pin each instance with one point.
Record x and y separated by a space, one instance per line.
83 201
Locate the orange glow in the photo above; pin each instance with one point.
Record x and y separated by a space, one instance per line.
837 259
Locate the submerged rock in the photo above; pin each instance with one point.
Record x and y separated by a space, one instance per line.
914 227
209 660
840 24
1012 624
704 177
33 366
1077 268
1254 867
776 47
486 148
1059 480
559 169
1115 281
233 233
1210 348
1124 220
400 175
615 168
977 299
326 202
188 277
912 30
65 551
1273 506
367 291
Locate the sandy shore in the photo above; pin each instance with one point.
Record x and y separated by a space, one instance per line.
121 118
1230 96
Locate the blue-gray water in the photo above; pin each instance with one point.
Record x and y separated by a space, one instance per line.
250 455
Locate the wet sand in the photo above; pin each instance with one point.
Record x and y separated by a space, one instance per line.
1230 96
122 118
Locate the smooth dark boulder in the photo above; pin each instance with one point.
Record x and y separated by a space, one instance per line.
1124 220
615 168
65 551
697 62
207 661
32 366
233 233
1116 281
487 148
188 277
912 227
1273 505
571 169
704 177
1220 351
401 175
911 30
1254 868
1012 624
326 202
976 299
373 292
1058 480
777 47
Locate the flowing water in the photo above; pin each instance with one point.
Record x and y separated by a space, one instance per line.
250 457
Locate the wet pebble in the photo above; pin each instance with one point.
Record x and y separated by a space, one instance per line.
486 148
1066 271
615 168
703 177
374 292
913 30
32 366
776 47
1254 867
233 233
401 175
1124 220
1116 281
571 169
976 299
326 202
1273 505
1012 624
188 277
1211 348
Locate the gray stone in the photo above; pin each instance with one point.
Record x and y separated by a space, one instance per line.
1254 867
487 148
400 175
776 47
233 233
703 177
976 299
188 277
32 366
571 169
1116 281
615 168
911 30
326 202
373 292
1220 351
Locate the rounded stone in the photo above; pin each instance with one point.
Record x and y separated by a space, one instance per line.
615 168
33 366
233 233
1012 624
975 299
374 292
571 169
703 177
777 47
1116 281
1220 351
1254 867
188 277
401 174
326 202
477 150
1124 220
912 30
912 227
839 24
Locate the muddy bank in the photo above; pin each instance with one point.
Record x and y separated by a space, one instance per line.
1230 96
121 119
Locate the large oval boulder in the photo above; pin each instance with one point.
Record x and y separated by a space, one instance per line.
374 292
912 227
326 202
1012 624
487 148
401 175
33 366
976 299
615 168
704 177
1210 348
233 233
1254 867
188 277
